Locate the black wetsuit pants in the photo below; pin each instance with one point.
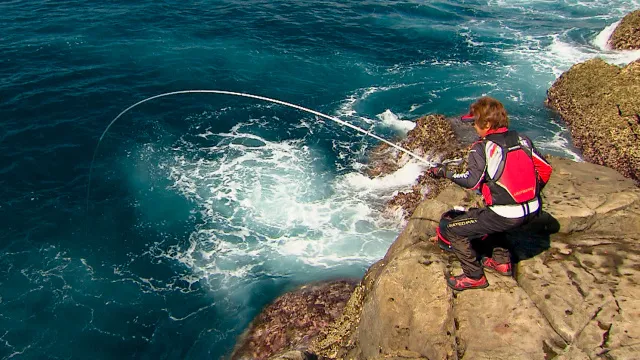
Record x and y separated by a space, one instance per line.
474 224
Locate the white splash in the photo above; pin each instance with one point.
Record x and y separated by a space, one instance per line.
269 209
389 119
602 39
347 108
566 54
402 178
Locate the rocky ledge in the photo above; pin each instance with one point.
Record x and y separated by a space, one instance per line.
600 103
293 320
627 34
575 294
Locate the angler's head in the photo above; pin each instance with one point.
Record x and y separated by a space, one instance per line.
486 113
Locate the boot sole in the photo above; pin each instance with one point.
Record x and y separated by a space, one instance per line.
494 271
469 288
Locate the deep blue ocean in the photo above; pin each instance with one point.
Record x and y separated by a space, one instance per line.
205 207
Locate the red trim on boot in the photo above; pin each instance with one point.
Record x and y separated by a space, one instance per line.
502 269
463 282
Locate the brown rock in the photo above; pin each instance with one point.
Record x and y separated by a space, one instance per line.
590 297
402 314
627 34
570 353
581 193
600 104
294 355
293 320
432 136
502 322
383 160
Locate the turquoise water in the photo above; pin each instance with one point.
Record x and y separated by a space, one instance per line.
205 207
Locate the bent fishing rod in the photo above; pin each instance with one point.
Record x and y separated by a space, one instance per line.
258 97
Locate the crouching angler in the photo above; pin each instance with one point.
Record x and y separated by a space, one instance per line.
510 173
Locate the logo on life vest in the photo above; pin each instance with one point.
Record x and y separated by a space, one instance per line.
524 191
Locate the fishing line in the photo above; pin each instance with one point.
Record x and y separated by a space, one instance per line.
224 92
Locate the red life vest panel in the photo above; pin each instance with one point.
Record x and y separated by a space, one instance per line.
510 175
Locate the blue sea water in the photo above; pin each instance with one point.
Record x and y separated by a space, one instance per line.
204 207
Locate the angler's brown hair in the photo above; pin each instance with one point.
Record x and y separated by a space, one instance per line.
488 110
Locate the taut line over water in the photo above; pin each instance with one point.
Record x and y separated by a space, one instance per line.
224 92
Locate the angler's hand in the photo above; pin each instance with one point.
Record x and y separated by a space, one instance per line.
439 171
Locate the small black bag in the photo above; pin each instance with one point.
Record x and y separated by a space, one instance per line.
446 217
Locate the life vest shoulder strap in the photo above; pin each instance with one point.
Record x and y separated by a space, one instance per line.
507 139
510 141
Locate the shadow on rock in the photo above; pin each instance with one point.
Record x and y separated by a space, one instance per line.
535 237
530 240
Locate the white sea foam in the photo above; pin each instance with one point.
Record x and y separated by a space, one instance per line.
558 144
620 57
517 97
602 39
347 108
267 209
620 6
555 139
391 120
556 53
402 178
415 107
533 5
566 53
470 39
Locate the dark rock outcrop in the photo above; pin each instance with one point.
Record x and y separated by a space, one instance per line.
434 138
627 34
287 325
600 103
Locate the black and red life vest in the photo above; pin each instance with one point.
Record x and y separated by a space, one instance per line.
510 174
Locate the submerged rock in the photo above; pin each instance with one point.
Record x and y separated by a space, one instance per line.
287 325
600 103
627 34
